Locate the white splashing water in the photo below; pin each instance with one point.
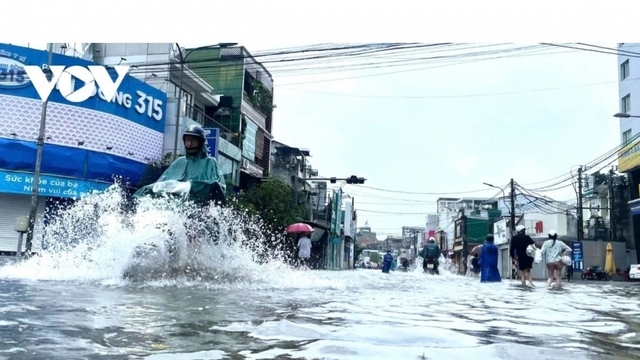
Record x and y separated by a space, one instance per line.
97 241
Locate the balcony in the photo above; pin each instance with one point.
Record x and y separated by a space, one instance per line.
207 122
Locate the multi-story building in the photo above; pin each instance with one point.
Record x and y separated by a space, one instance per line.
366 238
86 143
220 87
245 88
188 95
629 111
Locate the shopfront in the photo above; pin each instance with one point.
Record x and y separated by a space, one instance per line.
88 145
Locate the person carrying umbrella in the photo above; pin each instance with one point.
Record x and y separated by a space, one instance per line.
304 243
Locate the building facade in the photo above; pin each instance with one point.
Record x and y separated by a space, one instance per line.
629 155
87 145
245 89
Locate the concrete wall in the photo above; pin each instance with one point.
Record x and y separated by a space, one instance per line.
594 254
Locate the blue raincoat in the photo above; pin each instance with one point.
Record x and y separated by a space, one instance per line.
386 265
488 262
394 265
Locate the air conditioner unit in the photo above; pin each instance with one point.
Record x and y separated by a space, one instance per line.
226 136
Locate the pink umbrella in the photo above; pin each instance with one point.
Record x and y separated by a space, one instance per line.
299 228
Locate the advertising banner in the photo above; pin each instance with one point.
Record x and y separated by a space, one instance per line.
336 212
52 186
629 156
577 255
211 136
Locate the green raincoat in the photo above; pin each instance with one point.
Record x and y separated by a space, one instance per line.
430 251
201 170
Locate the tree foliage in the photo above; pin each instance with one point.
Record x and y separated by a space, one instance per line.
274 202
375 258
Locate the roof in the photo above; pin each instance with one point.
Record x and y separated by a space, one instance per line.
287 150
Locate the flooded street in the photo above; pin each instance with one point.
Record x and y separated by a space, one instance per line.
360 314
73 302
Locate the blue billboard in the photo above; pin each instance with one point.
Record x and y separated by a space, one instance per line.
577 255
134 101
90 141
211 137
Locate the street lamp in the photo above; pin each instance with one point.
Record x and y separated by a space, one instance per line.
183 59
625 116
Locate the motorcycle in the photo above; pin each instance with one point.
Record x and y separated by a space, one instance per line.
404 267
430 266
595 273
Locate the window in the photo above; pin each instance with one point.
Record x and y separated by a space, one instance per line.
624 70
249 143
626 137
625 105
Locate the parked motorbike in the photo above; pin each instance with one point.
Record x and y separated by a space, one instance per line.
595 273
430 266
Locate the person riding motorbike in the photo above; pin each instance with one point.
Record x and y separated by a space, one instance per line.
196 173
197 167
405 264
431 254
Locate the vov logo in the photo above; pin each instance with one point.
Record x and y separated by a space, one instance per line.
63 77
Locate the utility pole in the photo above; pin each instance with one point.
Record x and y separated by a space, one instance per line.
612 211
513 206
36 173
296 181
580 230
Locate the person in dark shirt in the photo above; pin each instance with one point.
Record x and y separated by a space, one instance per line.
518 252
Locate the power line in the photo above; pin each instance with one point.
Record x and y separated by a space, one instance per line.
422 193
454 96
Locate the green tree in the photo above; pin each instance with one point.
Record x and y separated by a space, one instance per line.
274 202
375 258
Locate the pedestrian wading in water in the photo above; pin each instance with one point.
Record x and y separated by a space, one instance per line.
488 261
518 251
553 250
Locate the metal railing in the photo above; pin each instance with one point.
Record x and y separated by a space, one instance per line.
208 122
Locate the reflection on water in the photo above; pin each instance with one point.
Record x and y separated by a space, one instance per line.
360 314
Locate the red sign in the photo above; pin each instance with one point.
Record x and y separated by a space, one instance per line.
539 227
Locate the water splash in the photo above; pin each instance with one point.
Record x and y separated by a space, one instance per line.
98 240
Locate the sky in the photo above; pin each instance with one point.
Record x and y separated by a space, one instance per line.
444 128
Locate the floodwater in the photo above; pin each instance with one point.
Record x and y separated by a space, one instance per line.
72 303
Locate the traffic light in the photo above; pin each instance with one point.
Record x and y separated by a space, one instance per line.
355 180
332 180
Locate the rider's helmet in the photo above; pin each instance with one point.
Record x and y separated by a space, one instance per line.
520 229
194 130
432 240
553 235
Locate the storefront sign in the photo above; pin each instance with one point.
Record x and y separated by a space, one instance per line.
51 186
336 211
629 157
212 135
577 255
132 99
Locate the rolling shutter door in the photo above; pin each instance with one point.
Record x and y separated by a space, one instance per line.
12 206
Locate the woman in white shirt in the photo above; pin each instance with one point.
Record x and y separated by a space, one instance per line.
553 250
